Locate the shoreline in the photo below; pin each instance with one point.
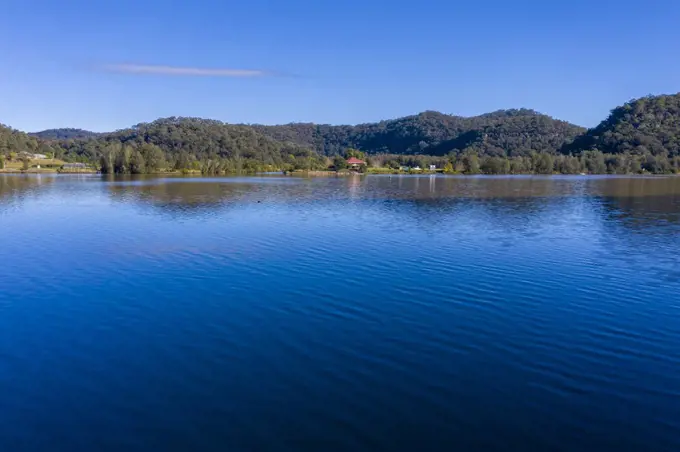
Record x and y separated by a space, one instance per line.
312 174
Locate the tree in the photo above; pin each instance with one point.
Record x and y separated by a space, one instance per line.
543 163
495 165
153 157
594 162
303 163
516 166
106 162
471 162
419 161
661 164
567 164
121 164
2 162
393 164
26 160
349 153
339 163
635 166
137 163
183 161
676 164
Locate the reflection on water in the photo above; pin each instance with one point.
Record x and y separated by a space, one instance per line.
350 313
631 201
17 188
408 187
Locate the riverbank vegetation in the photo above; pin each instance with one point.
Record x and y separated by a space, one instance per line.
641 136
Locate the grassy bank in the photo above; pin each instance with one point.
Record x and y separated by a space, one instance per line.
34 166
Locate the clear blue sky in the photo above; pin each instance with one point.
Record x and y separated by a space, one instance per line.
77 63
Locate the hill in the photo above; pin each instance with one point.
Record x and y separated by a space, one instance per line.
15 141
505 132
193 140
642 135
190 142
64 134
645 126
502 133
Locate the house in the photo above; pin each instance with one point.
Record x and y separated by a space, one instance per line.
433 167
355 163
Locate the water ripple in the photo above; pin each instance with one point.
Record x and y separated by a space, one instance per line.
373 313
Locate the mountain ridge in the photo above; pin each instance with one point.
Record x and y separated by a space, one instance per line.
649 124
500 112
643 133
511 132
64 133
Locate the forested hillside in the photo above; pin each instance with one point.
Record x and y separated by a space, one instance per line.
502 133
192 143
650 125
64 134
641 136
14 141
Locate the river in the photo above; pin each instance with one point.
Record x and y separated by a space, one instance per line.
357 313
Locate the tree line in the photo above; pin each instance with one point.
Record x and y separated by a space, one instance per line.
148 158
642 135
588 162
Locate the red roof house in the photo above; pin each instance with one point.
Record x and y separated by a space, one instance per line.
353 161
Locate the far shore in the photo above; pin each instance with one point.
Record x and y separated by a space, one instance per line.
329 173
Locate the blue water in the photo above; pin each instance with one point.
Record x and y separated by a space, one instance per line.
376 313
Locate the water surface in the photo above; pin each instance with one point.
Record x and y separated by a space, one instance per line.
377 313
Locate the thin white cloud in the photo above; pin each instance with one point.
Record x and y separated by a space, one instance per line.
185 71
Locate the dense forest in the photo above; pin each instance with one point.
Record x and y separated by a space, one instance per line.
14 141
191 144
650 125
642 135
64 134
502 133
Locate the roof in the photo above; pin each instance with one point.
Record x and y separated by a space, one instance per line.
355 161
